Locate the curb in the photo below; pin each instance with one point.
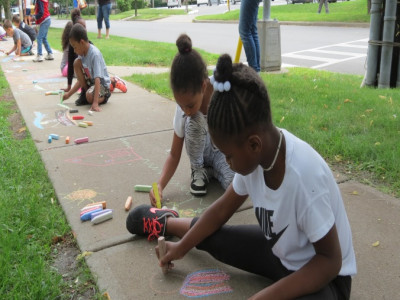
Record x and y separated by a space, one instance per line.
330 24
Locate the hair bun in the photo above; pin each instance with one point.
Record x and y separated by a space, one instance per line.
184 44
224 68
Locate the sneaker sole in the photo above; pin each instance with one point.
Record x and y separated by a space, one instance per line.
198 193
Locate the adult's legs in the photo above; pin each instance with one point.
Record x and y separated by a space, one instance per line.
45 27
99 20
248 32
106 13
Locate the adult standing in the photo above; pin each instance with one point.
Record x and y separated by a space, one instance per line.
104 13
42 16
323 2
248 32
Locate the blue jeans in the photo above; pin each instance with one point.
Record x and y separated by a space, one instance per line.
248 32
42 37
103 12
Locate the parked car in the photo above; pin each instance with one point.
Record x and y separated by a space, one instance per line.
206 2
15 10
174 3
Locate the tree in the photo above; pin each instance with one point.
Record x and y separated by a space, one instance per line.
7 6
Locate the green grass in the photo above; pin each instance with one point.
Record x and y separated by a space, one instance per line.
357 128
346 11
131 52
30 218
144 14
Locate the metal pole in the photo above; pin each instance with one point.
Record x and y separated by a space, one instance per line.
387 48
266 10
373 48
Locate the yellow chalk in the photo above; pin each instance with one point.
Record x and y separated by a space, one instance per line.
157 195
82 124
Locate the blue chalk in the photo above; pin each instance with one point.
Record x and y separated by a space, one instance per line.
87 215
54 136
50 139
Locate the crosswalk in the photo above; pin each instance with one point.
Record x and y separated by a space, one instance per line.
322 57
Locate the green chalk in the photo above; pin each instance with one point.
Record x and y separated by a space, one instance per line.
142 188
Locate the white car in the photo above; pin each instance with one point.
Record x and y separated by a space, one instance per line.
15 11
206 2
174 3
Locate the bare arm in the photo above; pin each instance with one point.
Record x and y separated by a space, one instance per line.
313 276
12 50
170 166
95 103
72 91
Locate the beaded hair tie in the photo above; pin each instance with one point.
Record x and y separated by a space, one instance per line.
220 86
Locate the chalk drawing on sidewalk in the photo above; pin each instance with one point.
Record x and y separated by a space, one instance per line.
61 118
205 283
106 158
81 195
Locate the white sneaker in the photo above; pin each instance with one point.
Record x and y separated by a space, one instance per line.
38 58
49 56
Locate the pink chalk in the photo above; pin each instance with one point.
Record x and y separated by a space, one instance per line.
82 140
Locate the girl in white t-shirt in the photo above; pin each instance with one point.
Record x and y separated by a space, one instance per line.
303 241
192 91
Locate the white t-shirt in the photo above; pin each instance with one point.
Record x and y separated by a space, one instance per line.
302 210
179 122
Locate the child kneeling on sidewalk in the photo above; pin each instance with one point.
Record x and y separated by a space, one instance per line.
90 69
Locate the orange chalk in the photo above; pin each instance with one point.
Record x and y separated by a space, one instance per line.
103 203
128 203
67 140
90 123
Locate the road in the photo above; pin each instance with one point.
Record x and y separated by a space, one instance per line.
337 49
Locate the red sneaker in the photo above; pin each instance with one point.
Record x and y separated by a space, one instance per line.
120 84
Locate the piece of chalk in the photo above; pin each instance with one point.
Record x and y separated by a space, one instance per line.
103 204
81 140
72 111
98 213
49 139
103 217
52 93
90 112
34 81
54 136
83 124
89 123
67 140
156 195
63 105
142 188
87 215
78 117
161 251
91 209
128 203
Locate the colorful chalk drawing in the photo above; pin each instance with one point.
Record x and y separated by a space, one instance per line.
82 195
61 118
106 158
205 283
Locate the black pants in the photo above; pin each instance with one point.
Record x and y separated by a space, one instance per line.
245 247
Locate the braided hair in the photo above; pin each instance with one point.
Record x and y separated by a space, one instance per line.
188 69
246 105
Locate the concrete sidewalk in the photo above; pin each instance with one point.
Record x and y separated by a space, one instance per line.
128 144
